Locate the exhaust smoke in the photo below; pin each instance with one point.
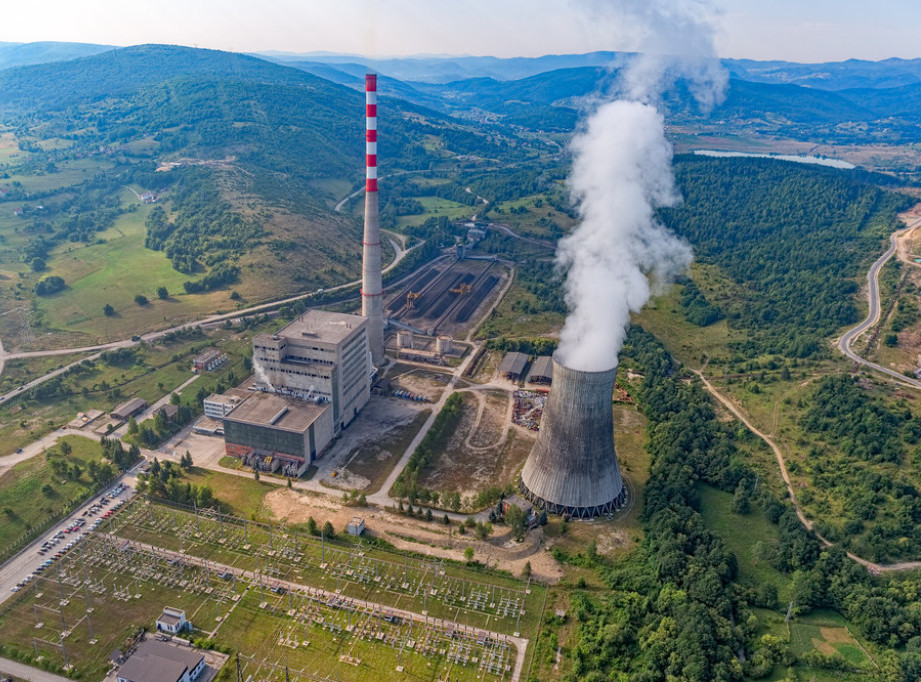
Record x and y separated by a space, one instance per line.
621 174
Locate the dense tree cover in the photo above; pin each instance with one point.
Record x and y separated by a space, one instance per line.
539 279
164 482
205 230
793 238
697 309
534 346
863 427
50 285
862 459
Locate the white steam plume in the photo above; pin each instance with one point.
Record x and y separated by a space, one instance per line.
622 173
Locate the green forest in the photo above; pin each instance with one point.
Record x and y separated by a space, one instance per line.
675 609
793 239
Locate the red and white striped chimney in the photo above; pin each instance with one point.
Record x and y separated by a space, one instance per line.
371 287
371 133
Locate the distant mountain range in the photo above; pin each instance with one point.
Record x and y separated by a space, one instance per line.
843 102
25 54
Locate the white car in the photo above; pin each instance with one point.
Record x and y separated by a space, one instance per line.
14 588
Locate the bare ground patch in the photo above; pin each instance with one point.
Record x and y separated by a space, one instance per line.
418 380
466 468
429 538
371 446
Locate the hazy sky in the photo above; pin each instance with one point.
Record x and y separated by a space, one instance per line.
800 30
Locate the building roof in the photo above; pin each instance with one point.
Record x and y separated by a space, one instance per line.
168 619
169 411
226 398
130 407
513 363
155 661
541 368
207 354
323 326
279 412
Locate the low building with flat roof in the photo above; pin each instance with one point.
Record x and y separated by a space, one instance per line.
155 661
269 431
129 409
218 405
172 620
208 359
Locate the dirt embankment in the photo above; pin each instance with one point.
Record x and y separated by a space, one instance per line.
429 538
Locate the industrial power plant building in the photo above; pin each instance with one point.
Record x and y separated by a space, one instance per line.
312 379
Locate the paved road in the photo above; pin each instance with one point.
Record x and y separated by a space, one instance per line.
873 315
28 559
27 672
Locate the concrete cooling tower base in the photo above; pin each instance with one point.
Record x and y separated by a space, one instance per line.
574 512
572 468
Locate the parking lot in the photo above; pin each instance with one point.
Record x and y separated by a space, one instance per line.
54 545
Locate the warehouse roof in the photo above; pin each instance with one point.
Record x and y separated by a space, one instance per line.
541 369
155 661
513 364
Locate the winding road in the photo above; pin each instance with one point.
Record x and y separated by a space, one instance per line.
847 339
844 345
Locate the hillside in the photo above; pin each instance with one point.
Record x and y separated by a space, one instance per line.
249 159
23 54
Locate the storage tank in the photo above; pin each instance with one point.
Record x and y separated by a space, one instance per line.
404 339
572 468
444 344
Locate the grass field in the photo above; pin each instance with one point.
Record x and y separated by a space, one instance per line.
113 273
31 495
67 173
436 207
749 537
19 372
243 494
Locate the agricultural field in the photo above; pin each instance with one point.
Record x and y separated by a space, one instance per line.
326 607
828 634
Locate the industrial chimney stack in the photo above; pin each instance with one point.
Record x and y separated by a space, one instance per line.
572 468
371 287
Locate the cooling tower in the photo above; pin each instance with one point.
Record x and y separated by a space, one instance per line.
572 468
371 288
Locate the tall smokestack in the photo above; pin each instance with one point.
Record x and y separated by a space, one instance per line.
572 468
371 288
